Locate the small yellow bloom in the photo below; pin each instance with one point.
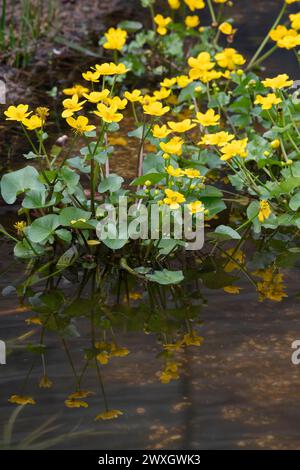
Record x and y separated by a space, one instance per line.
93 242
71 106
71 403
192 21
195 207
155 109
17 113
234 149
168 82
21 400
192 173
78 90
97 96
80 394
80 125
32 123
182 126
161 94
108 113
162 24
275 144
134 96
160 132
295 21
174 4
264 212
192 339
267 102
173 146
90 76
195 4
174 172
42 112
20 227
117 102
33 321
232 289
218 139
229 59
111 69
207 119
183 81
279 82
115 39
226 28
103 357
109 414
173 199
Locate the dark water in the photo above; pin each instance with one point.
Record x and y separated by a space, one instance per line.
238 390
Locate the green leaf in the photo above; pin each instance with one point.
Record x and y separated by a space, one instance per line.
227 232
18 182
166 277
69 214
68 258
130 26
36 199
26 251
41 228
112 183
295 202
153 177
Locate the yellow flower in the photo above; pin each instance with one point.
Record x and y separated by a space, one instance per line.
192 21
289 42
80 125
117 102
116 39
219 139
21 400
192 173
161 94
278 33
229 59
170 373
264 211
267 102
90 76
195 207
45 382
97 96
232 289
109 414
234 149
119 352
162 24
134 96
160 132
111 69
155 109
108 113
275 144
195 4
279 82
42 112
175 172
271 287
33 321
76 90
207 119
103 357
192 339
20 226
226 28
135 295
182 126
80 394
71 105
173 199
168 82
17 113
71 403
183 81
289 2
238 258
200 64
295 20
32 123
173 146
174 4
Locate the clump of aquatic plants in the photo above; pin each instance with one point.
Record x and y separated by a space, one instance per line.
216 138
